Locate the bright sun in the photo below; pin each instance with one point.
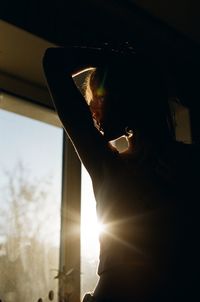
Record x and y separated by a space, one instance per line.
90 228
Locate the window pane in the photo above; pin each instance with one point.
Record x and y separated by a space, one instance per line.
89 236
30 201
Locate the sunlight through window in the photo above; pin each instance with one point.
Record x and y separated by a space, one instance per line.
89 236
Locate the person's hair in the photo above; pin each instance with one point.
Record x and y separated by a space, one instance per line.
87 89
137 85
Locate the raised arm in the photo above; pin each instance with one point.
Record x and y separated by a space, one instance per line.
60 64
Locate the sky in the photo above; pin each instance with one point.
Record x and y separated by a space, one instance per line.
38 146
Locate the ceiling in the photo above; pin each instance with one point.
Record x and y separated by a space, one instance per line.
183 15
168 29
76 20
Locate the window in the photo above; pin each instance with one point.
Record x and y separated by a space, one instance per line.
30 203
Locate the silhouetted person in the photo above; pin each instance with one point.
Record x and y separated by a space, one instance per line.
147 196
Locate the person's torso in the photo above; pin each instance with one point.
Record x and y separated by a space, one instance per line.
148 209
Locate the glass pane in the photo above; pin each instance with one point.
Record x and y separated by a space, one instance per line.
30 202
89 236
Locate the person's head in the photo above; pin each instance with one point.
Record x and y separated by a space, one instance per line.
128 93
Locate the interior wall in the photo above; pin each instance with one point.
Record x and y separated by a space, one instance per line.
21 70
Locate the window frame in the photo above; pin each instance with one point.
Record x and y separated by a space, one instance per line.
70 255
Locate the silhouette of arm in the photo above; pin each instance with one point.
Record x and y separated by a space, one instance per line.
59 65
